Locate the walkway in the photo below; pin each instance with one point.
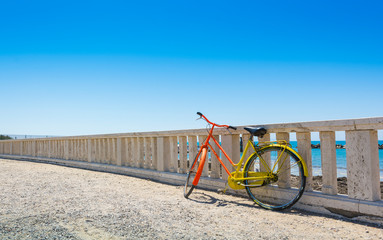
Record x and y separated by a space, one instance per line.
42 201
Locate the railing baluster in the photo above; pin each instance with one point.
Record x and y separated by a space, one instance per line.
193 150
148 161
304 149
328 158
230 143
163 154
153 141
363 164
183 153
215 164
129 152
266 156
140 156
173 160
284 177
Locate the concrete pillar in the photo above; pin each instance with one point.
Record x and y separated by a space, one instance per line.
183 154
96 150
304 149
66 149
163 154
173 161
129 152
49 148
154 149
362 155
230 144
140 152
114 151
124 159
90 150
215 164
134 143
266 156
21 148
193 150
148 157
119 152
108 148
284 176
328 157
84 150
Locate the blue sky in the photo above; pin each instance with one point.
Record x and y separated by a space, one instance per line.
90 67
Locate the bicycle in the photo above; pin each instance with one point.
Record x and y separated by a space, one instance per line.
274 176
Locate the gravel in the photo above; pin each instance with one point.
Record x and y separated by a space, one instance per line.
43 201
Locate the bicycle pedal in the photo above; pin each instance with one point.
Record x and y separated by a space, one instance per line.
221 191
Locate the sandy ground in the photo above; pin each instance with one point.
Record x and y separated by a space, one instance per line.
42 201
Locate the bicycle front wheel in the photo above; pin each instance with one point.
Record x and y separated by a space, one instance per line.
194 173
285 182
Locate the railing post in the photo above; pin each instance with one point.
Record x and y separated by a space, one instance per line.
154 149
134 142
21 148
285 176
148 162
109 151
328 157
123 153
114 151
182 147
90 149
129 152
49 148
362 156
163 154
101 150
230 143
304 149
193 150
119 152
66 149
97 150
266 156
173 161
140 159
215 164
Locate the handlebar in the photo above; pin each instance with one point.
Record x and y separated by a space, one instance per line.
214 124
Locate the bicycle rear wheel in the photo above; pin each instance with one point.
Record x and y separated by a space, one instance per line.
195 172
286 181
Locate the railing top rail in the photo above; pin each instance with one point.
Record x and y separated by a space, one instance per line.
374 123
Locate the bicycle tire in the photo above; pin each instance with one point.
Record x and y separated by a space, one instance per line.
286 188
192 174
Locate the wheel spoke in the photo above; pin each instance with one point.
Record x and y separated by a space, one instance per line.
288 171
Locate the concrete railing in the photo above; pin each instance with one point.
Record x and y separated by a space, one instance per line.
165 156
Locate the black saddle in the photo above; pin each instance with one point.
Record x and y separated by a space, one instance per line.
258 131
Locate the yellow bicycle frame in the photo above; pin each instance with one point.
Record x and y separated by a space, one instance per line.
238 175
